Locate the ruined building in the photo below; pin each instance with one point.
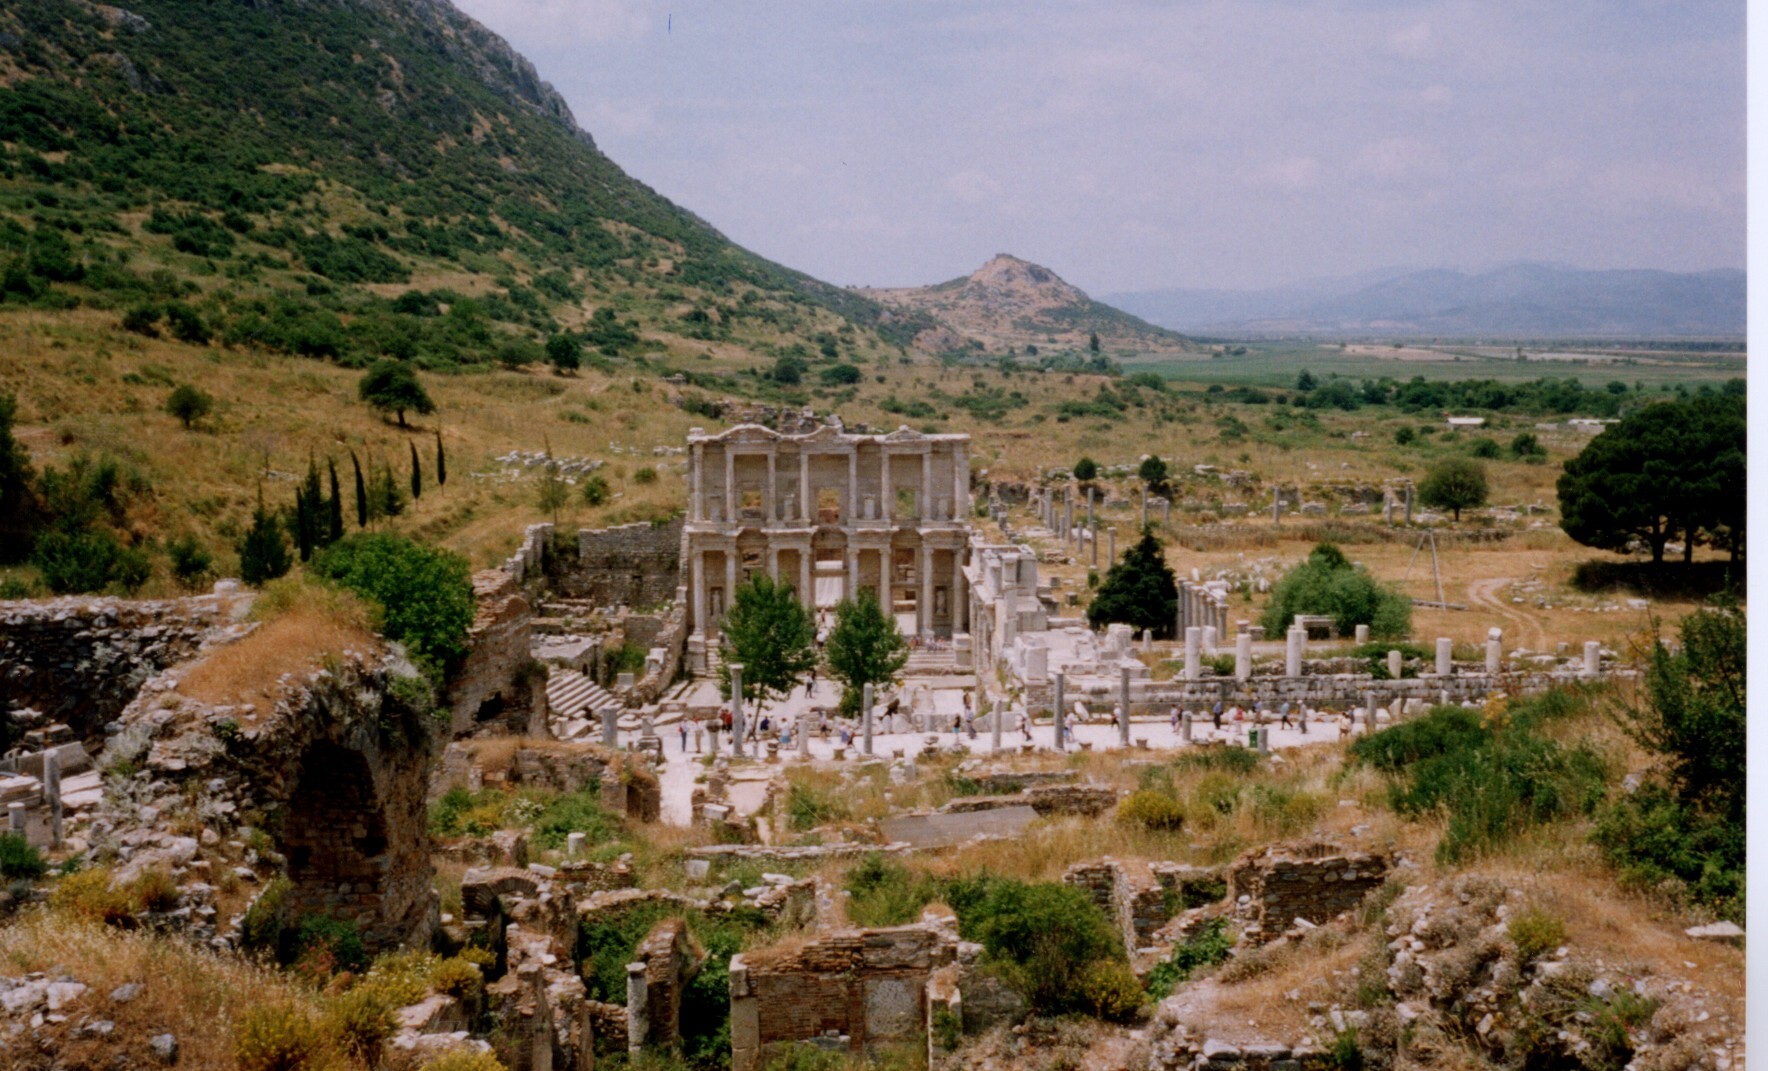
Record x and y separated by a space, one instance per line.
829 514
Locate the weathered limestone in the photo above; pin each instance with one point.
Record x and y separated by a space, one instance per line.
1592 658
1445 656
1243 656
736 671
1272 887
1193 653
832 512
1395 664
1060 713
1123 706
1298 637
866 715
1494 651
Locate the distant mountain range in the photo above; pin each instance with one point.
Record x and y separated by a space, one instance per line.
1013 302
1518 300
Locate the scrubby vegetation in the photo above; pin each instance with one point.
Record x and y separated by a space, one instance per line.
1328 584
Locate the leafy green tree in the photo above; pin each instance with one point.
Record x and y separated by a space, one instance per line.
788 370
1484 448
864 647
1327 583
425 594
1093 343
771 635
841 375
1405 435
309 524
1086 470
1526 446
1670 467
1154 474
1685 825
1454 484
1046 939
1305 381
189 404
1139 590
263 551
88 559
391 386
564 353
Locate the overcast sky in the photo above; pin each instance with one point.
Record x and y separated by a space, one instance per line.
1138 145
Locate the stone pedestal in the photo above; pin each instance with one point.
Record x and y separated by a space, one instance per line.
1061 713
1123 694
1445 656
1494 651
865 703
1242 657
1362 634
1298 637
1193 653
1592 658
1396 665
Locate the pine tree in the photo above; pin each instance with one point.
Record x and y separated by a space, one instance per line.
361 493
1139 591
441 462
263 554
385 498
334 512
417 474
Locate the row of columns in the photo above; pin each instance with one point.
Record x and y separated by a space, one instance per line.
805 503
957 600
1201 607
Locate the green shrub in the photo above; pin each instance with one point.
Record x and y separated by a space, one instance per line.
1041 936
575 812
18 859
1231 758
1536 933
278 1037
1286 810
809 807
883 892
803 1056
645 475
88 560
326 943
1441 731
1109 990
464 1060
262 924
425 594
1151 810
1207 947
359 1021
1327 583
595 491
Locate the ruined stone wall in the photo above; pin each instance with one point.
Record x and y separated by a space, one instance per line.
81 660
493 682
867 985
636 565
670 961
1274 886
672 638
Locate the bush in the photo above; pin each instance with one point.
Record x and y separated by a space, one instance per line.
883 892
88 894
278 1037
88 560
810 808
595 491
1327 583
1151 810
189 404
359 1022
576 812
1405 435
1109 990
1484 448
325 944
425 594
1536 933
1439 732
1042 937
18 859
464 1060
1231 758
1207 947
191 561
645 475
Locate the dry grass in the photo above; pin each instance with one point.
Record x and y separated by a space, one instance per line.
303 625
190 992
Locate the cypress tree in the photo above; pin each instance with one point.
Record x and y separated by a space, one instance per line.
262 553
361 493
309 512
417 475
334 514
441 462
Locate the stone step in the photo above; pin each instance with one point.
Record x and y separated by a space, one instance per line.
569 694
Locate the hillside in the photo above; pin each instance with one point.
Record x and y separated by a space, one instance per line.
1516 301
1012 302
325 178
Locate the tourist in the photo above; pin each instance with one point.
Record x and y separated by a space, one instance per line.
1175 718
1025 726
684 736
766 722
1216 715
957 725
1284 711
724 717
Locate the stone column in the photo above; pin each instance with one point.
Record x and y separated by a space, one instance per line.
1067 513
52 794
996 716
699 581
773 564
956 600
736 669
1243 656
1144 507
1494 652
852 511
1396 665
1060 718
730 486
696 509
1592 658
770 508
1408 503
610 726
852 553
1185 726
1193 652
1298 637
865 707
638 1017
730 577
886 495
928 506
1092 529
1445 662
924 604
806 508
807 579
1362 634
15 819
1111 543
1123 696
1166 511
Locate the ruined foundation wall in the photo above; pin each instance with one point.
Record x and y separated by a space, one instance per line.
636 565
81 660
497 652
1273 887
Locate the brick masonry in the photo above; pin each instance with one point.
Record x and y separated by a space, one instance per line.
1272 887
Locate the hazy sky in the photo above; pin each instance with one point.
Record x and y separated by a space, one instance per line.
1137 145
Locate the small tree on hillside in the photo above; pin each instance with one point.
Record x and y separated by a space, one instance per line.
392 387
361 492
441 463
564 353
425 593
1454 484
1154 474
263 552
417 473
771 635
864 647
1086 470
334 506
1327 583
189 404
1140 590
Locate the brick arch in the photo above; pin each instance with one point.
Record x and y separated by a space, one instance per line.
334 836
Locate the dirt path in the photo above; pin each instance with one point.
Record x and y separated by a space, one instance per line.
1485 595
